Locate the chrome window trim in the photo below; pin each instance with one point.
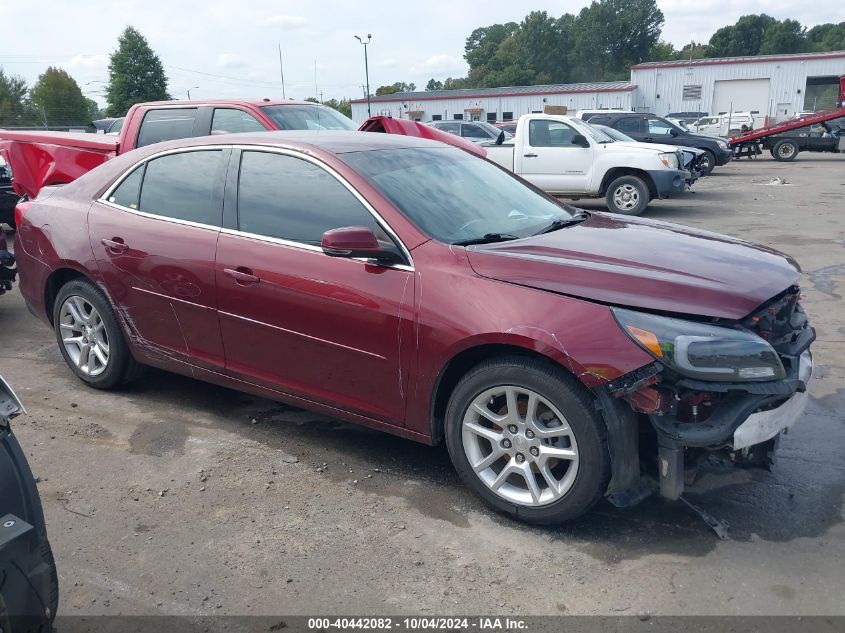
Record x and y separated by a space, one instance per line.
104 199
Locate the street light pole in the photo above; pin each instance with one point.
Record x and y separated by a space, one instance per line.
189 91
366 69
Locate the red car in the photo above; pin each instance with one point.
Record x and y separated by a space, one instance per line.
412 287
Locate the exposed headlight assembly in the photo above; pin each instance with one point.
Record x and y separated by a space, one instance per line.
700 351
722 144
670 160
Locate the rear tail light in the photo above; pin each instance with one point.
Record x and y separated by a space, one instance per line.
20 211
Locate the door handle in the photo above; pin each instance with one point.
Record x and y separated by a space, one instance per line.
530 155
243 276
115 245
648 139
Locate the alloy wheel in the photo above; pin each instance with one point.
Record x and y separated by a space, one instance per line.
84 335
520 445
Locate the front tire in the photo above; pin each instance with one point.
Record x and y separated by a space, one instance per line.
89 336
524 435
627 195
707 162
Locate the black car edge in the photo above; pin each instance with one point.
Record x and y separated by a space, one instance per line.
29 584
8 197
634 124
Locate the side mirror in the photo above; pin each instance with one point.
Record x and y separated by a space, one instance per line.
358 241
673 132
501 138
580 140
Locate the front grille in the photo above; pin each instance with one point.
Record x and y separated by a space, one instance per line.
783 323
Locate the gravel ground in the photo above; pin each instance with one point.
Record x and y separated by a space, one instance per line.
177 497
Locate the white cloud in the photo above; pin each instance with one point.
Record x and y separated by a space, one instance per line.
288 22
230 60
88 61
446 65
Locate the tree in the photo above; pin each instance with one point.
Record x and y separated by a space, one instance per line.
58 99
826 37
94 111
743 38
433 84
135 74
784 37
694 50
399 86
483 42
344 106
312 99
14 107
612 35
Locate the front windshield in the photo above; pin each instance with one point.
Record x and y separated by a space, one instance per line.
493 130
599 136
616 135
307 117
454 196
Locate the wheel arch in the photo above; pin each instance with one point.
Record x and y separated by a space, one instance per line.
464 360
58 278
617 172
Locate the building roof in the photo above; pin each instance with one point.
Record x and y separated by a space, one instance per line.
751 59
504 91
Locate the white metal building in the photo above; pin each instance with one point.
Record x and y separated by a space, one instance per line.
494 104
773 86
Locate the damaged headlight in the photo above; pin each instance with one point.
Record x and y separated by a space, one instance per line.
704 352
670 160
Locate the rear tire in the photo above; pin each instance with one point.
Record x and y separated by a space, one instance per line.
90 338
785 150
627 195
553 436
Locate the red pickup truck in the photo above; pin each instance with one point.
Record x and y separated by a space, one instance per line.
39 159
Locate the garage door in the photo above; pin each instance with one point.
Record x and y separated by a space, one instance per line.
741 95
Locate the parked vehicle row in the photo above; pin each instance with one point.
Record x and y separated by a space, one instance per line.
567 157
649 128
256 246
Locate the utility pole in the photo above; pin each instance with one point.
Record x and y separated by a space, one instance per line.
189 91
366 68
282 71
315 79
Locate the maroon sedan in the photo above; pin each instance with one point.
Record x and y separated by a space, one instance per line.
409 286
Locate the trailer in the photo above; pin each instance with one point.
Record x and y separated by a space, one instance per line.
785 146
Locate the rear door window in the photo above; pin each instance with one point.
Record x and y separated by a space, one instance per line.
629 125
232 120
184 186
166 124
451 128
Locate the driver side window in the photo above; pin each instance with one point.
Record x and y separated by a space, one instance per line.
659 128
547 133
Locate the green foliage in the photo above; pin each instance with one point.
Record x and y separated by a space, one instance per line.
399 86
135 74
312 99
607 37
58 99
15 109
344 106
826 37
94 112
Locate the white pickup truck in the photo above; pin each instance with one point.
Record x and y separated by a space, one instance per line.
569 158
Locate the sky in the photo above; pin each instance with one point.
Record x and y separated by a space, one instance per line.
222 49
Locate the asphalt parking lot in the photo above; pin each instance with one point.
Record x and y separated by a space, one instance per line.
177 497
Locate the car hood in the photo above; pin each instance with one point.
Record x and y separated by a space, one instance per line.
642 264
652 147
